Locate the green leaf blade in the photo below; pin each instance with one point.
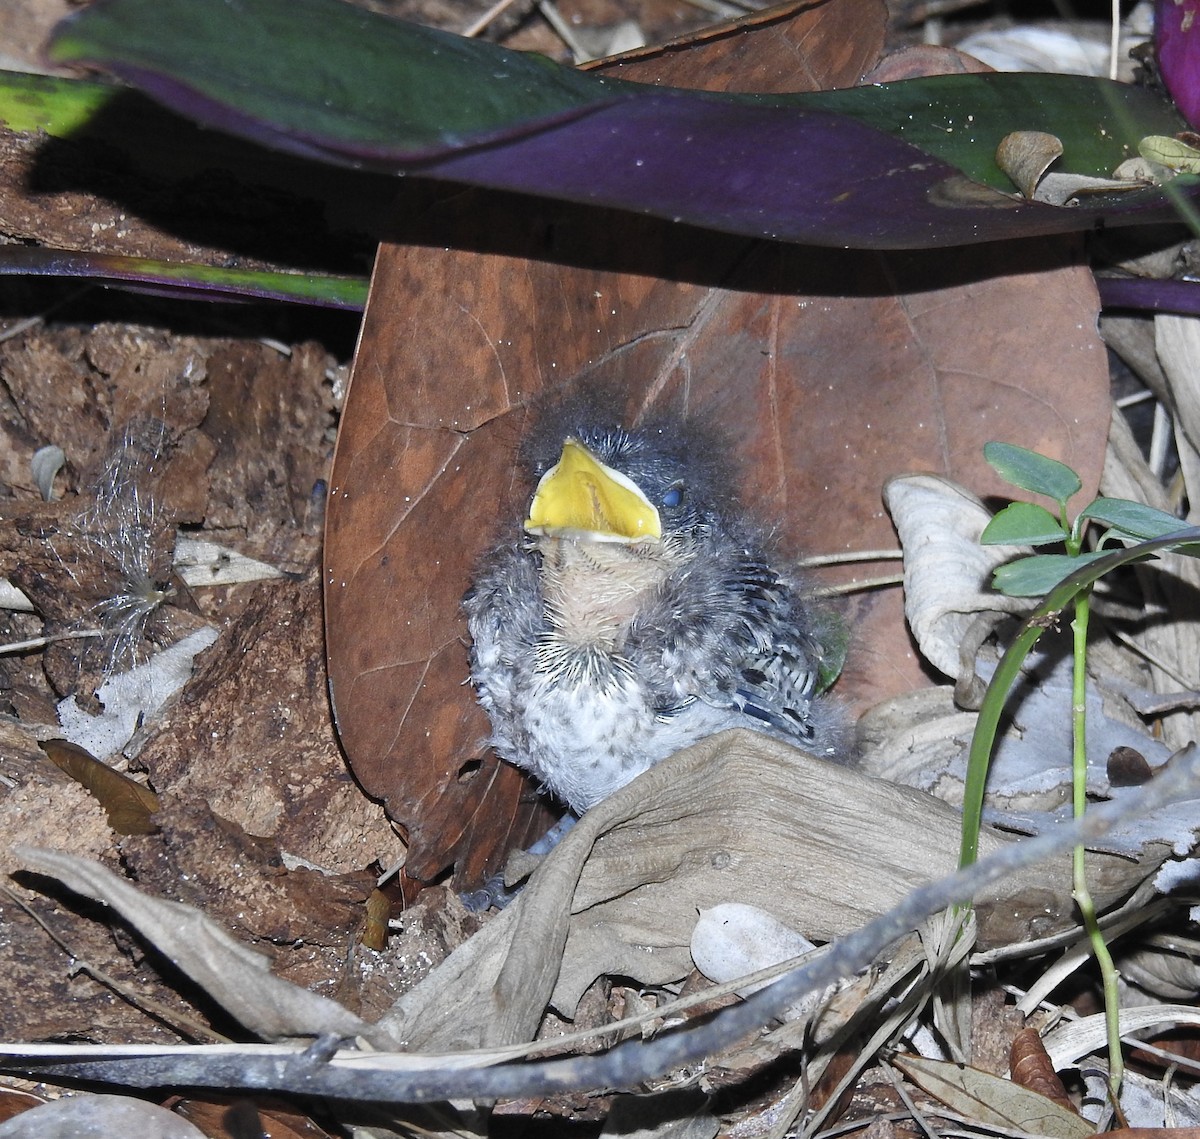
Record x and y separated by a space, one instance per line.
48 103
1023 524
320 71
1039 574
1033 472
175 278
1132 519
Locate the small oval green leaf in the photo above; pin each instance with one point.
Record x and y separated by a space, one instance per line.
1023 524
1132 518
1031 471
1037 575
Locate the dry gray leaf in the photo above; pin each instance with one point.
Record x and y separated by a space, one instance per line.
1177 343
992 1101
1168 637
1153 1102
46 463
737 817
1066 189
947 573
234 975
910 736
1170 974
1071 1040
202 563
733 939
12 598
133 698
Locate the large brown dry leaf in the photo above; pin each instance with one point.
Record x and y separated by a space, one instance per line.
829 371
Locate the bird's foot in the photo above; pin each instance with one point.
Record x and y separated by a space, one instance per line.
494 892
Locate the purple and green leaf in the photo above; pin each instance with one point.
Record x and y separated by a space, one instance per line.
907 164
204 282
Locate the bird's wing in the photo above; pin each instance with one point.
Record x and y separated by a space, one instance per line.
778 672
731 631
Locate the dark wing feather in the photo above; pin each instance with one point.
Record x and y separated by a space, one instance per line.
729 630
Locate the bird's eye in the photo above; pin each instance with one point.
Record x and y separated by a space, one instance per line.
673 497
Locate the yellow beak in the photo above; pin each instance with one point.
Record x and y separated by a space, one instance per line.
580 497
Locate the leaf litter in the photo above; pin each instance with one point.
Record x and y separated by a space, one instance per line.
633 902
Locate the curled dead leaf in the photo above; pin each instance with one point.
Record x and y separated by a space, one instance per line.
1025 156
378 907
716 823
1031 1068
947 572
1066 189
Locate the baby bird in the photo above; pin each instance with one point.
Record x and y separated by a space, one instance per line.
635 614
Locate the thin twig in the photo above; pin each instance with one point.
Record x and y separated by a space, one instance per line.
1135 398
721 9
493 13
1160 442
1154 659
42 642
859 586
893 555
181 1023
1114 40
562 29
908 1102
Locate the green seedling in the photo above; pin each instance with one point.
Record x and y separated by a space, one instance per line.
1137 532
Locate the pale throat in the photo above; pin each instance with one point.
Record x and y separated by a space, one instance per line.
591 590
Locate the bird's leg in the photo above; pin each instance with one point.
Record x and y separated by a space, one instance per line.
554 835
494 892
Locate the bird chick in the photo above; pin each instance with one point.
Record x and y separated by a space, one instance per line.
635 614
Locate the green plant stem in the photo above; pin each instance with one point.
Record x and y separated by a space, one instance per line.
1076 589
984 737
1080 891
1009 669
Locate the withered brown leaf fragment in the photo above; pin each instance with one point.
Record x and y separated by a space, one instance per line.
130 805
1030 1066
